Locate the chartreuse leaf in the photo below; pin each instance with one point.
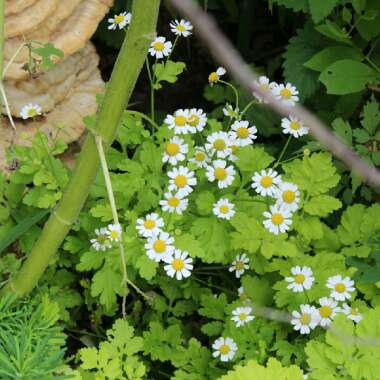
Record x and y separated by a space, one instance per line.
321 9
253 159
322 205
213 307
116 358
167 72
331 54
273 370
47 51
315 174
334 77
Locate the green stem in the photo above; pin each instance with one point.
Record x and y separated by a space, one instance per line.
123 79
145 117
233 89
171 52
247 107
151 88
282 152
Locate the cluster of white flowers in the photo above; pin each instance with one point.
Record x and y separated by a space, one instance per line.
105 236
159 247
161 48
287 196
309 316
288 94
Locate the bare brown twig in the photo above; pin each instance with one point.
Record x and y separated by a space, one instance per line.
226 54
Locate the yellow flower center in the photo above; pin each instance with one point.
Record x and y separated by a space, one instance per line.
172 149
224 209
102 239
159 246
219 144
242 316
178 264
181 28
119 19
243 296
180 181
149 224
294 125
299 279
114 234
277 219
305 319
224 349
354 311
173 202
239 265
288 196
325 311
159 46
266 181
220 174
213 77
193 120
200 156
242 132
340 287
32 112
286 93
180 120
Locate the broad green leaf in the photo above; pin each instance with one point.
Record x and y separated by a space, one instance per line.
331 54
369 24
273 371
321 9
333 31
343 130
253 159
259 290
370 119
186 242
205 202
334 77
47 51
322 205
348 230
167 72
295 5
147 267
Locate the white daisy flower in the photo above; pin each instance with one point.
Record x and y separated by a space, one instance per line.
179 265
288 195
340 287
196 119
30 110
215 76
266 182
119 21
181 28
303 279
242 315
265 85
225 348
102 241
150 225
178 122
293 126
242 133
278 219
231 112
329 308
219 143
182 179
352 313
160 48
175 151
242 294
306 320
200 157
174 203
287 93
160 247
239 265
223 209
114 232
220 172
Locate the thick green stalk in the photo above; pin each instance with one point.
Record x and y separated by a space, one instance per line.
124 76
